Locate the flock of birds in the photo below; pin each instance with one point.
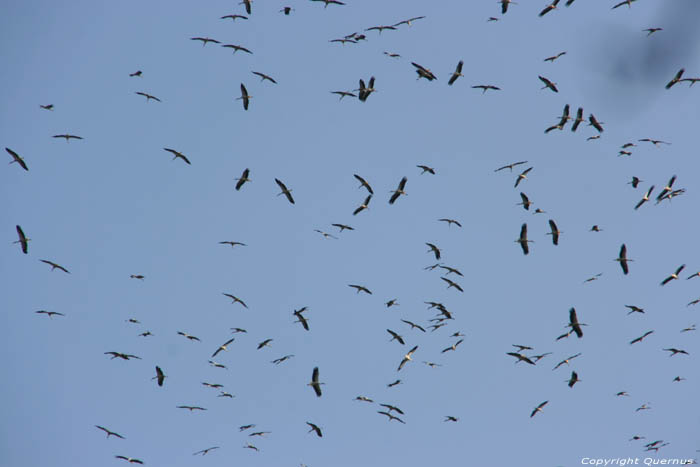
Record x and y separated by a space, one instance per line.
448 274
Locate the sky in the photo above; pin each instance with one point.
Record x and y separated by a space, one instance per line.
115 204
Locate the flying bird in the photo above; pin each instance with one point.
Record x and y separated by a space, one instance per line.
234 17
16 158
130 460
235 299
245 97
285 191
315 429
450 222
594 123
675 79
574 324
360 288
573 380
365 91
526 201
395 337
247 4
434 249
622 258
264 77
457 73
160 376
548 8
204 40
641 338
391 417
407 357
510 166
423 72
676 351
204 452
523 239
222 347
673 276
148 96
522 176
314 382
192 338
54 265
244 178
413 325
265 343
452 284
399 191
538 409
47 107
486 87
23 240
578 120
109 433
236 48
67 136
554 57
177 154
554 232
548 84
566 360
49 313
453 347
624 2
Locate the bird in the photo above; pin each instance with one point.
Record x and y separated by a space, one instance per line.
160 376
47 107
395 337
363 206
675 79
676 351
235 299
635 182
554 232
360 288
562 120
651 31
673 276
343 94
315 429
399 191
250 446
666 190
392 408
286 10
423 72
520 357
574 324
452 284
17 158
548 84
548 8
504 5
364 399
314 382
578 120
137 276
392 55
643 407
222 347
523 239
538 409
450 222
434 249
54 265
277 361
285 191
450 270
623 2
655 142
457 73
510 166
365 91
641 338
191 408
566 360
67 136
408 22
363 183
217 365
300 318
391 417
342 227
148 96
264 77
234 17
244 178
623 260
109 432
213 385
49 313
522 347
554 57
123 356
450 418
486 87
177 154
413 325
594 123
246 427
381 28
265 343
329 2
237 47
247 4
204 40
245 97
593 278
678 379
426 169
395 383
407 357
453 347
137 74
526 201
522 176
325 234
573 380
232 243
205 451
634 309
130 460
192 338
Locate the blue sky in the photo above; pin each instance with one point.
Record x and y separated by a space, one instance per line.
116 204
